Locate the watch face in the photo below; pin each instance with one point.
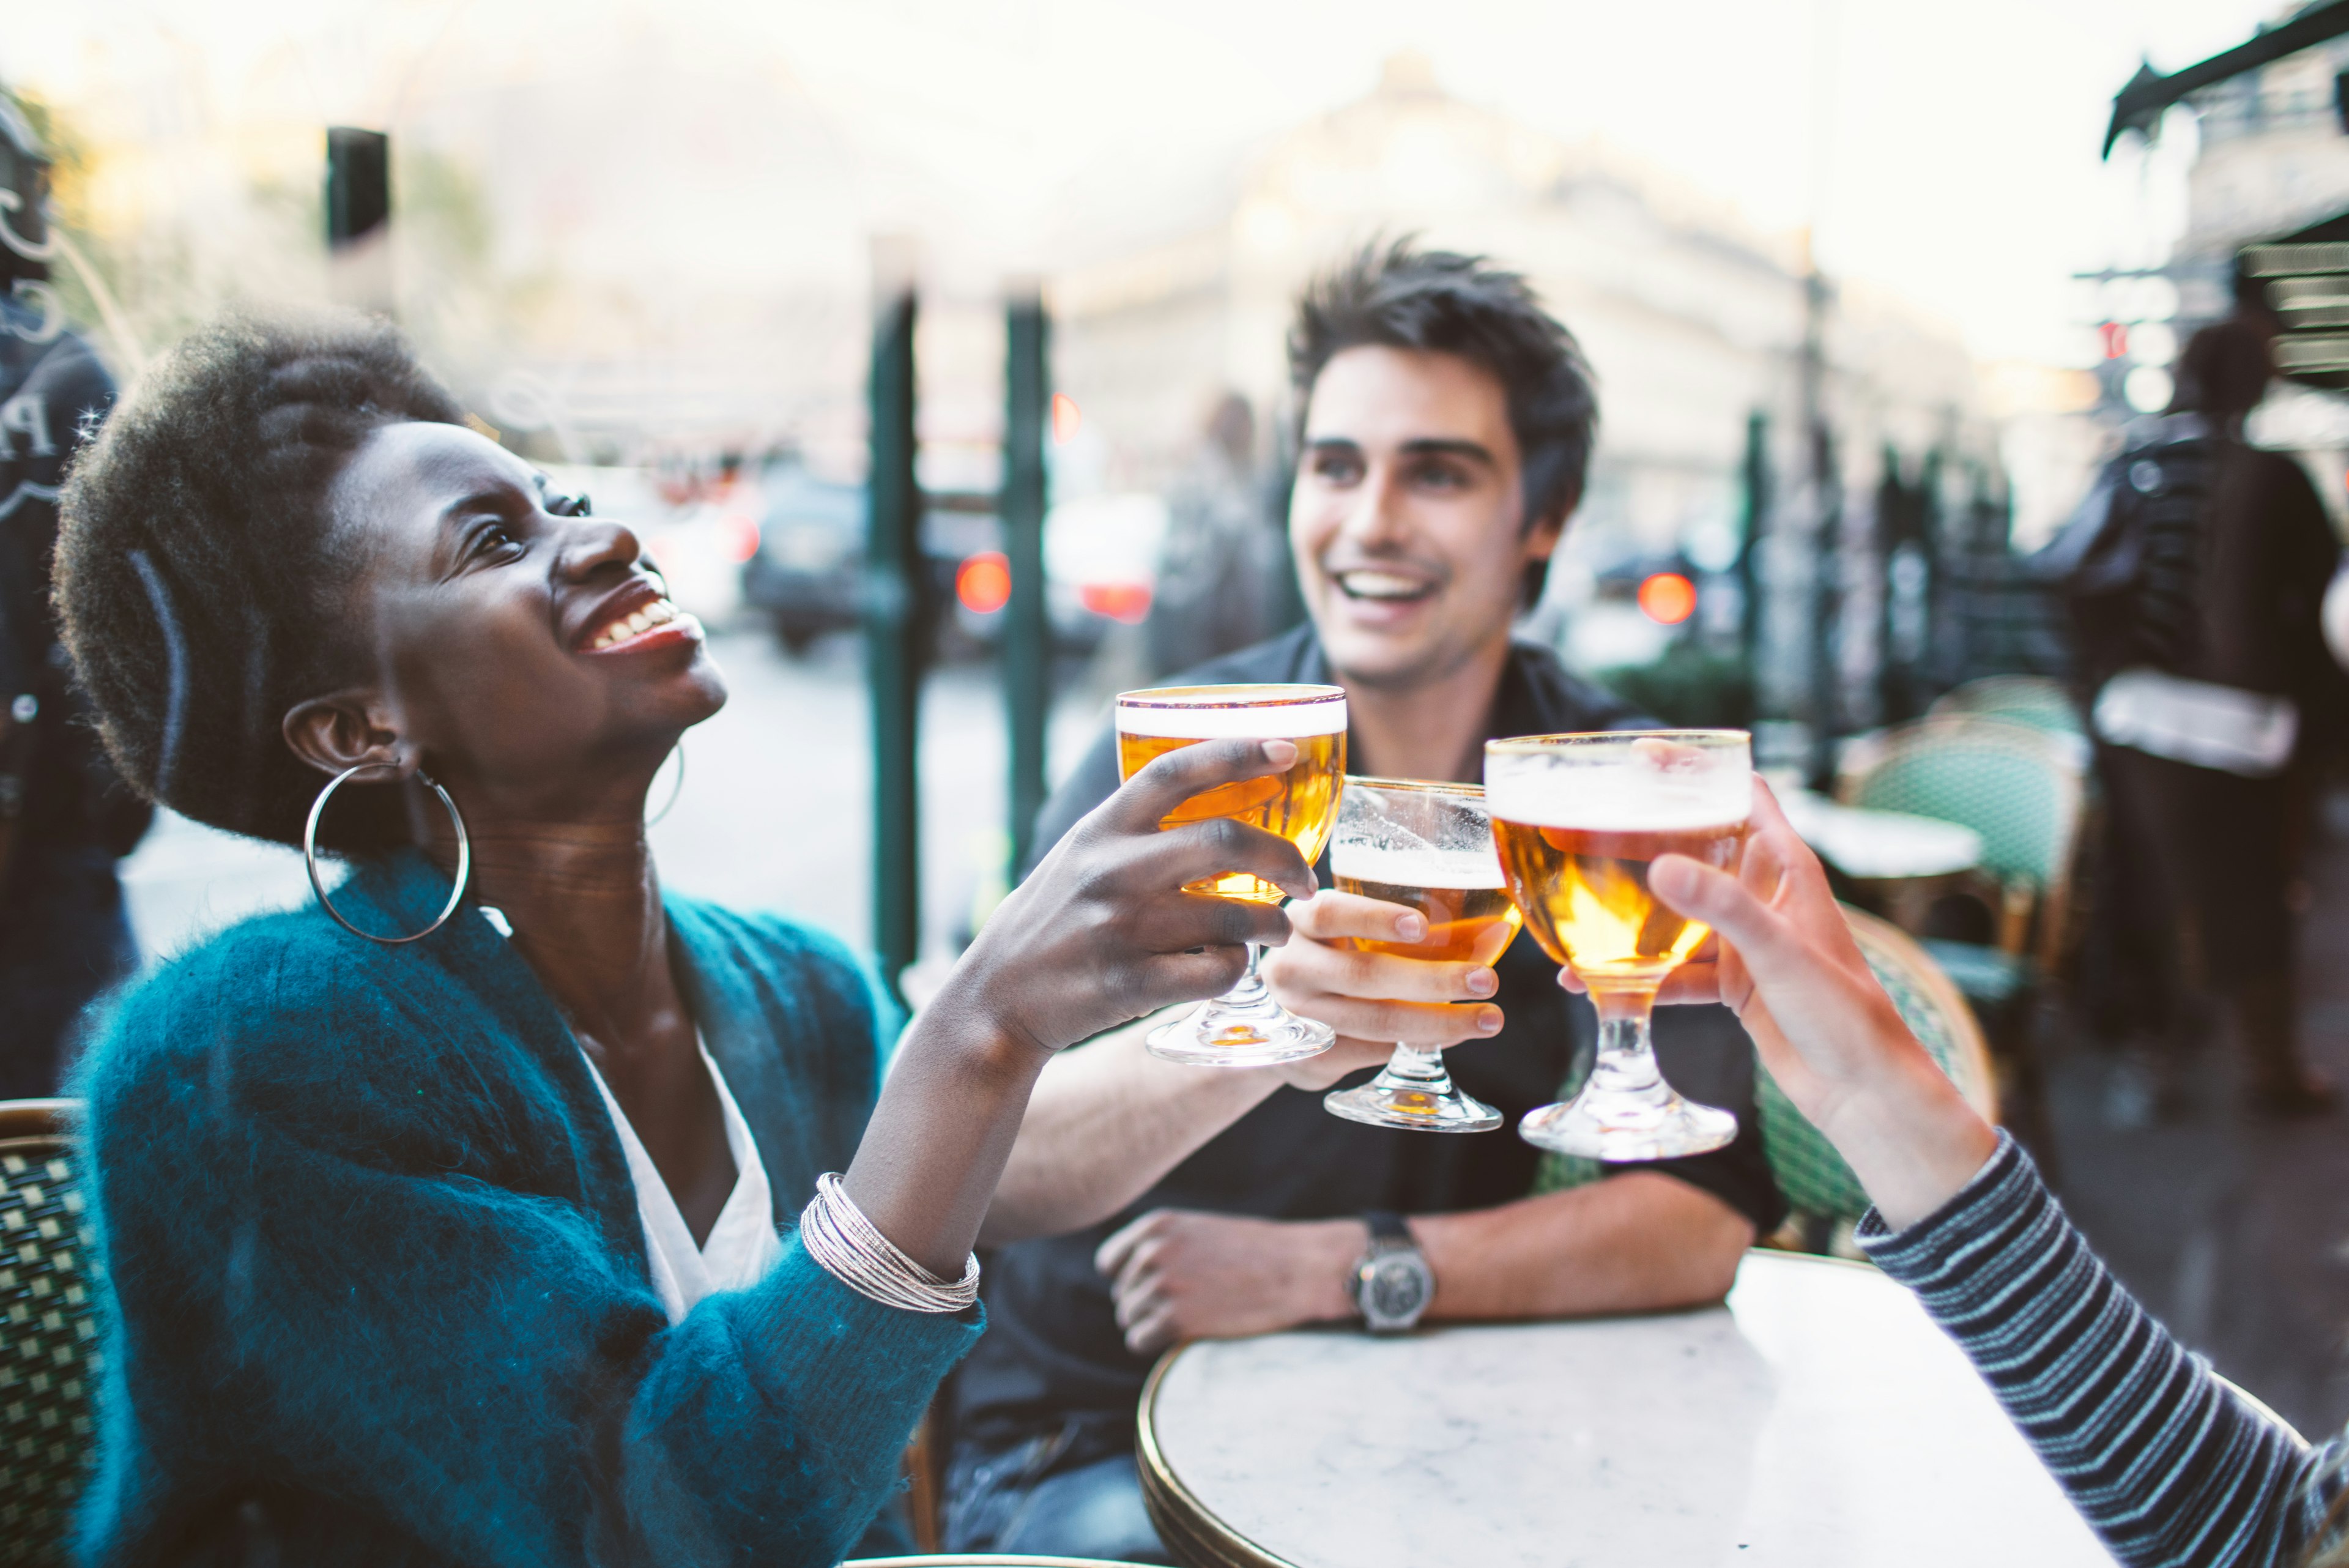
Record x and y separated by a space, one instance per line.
1396 1290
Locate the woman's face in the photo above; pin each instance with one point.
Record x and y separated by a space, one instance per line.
534 656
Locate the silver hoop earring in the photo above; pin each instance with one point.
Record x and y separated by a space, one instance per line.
319 884
675 790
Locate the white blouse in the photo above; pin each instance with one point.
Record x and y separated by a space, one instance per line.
743 1246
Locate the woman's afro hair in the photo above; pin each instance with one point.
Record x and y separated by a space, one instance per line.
198 583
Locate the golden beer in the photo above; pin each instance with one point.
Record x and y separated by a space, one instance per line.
1463 899
1584 892
1578 822
1299 804
1426 845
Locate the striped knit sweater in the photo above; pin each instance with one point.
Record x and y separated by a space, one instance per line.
2158 1455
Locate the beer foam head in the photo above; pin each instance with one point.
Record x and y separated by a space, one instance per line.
1415 867
1232 713
1616 786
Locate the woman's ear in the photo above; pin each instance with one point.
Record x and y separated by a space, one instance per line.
344 730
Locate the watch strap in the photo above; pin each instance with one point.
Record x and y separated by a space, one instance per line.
1386 1225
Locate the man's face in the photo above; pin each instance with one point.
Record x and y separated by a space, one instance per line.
1408 518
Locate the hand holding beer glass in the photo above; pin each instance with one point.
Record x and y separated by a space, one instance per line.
1244 1027
1429 847
1578 820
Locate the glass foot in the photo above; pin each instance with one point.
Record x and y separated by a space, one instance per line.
1221 1035
1383 1104
1657 1125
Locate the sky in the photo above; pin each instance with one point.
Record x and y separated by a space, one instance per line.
1948 153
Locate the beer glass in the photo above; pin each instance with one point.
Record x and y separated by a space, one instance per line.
1578 820
1428 846
1245 1026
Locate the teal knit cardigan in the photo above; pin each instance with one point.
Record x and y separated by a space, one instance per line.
379 1284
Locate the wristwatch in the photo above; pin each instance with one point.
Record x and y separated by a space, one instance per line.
1391 1284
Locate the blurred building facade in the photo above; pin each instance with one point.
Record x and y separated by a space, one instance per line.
2271 156
1692 319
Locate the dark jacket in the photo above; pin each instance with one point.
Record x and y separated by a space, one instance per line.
380 1292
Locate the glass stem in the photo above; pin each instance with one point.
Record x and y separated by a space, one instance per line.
1249 990
1411 1068
1626 1065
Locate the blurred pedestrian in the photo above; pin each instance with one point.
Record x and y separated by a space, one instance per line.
1222 572
2195 579
66 817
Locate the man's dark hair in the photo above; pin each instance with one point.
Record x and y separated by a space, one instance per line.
1399 297
202 588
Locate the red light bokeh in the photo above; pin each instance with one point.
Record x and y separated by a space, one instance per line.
1127 602
983 582
1667 599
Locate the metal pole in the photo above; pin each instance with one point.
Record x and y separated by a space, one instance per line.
1749 554
1825 523
896 618
359 216
1027 629
1893 549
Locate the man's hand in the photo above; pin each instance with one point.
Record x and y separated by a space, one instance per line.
1376 1000
1179 1275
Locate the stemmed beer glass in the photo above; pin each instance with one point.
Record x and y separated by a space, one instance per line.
1245 1026
1428 846
1578 820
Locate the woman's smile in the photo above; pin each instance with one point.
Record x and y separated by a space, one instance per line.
658 623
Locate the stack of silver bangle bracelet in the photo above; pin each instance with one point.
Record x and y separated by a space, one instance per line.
849 1247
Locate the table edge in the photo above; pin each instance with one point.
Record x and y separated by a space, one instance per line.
1195 1534
1184 1523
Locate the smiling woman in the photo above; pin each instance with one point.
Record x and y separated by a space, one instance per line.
462 1239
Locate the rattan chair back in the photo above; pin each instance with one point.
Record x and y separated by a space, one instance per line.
2019 788
1820 1188
48 1332
2029 700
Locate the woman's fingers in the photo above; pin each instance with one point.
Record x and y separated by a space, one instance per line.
1145 801
1172 921
1221 847
1759 933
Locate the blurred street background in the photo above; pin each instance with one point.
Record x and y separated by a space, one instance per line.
1867 309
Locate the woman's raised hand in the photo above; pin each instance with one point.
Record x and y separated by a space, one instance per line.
1786 962
1102 932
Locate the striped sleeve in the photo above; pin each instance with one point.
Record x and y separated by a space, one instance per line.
2167 1465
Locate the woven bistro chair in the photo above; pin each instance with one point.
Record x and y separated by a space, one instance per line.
48 1332
1824 1199
2031 700
2024 791
1823 1196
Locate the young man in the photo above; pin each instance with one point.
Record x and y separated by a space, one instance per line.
1446 428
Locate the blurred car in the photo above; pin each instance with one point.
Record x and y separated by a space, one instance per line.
806 576
1101 568
1100 563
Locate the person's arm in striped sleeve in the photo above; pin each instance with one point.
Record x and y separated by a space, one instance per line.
2162 1458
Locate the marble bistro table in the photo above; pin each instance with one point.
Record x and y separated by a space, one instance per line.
1819 1418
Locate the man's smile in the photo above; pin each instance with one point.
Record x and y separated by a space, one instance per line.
1382 586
